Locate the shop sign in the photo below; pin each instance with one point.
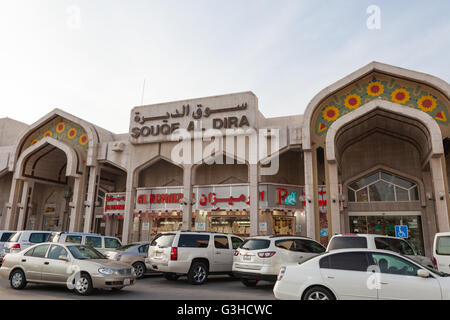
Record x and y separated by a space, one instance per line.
159 199
285 197
115 203
200 226
263 227
145 226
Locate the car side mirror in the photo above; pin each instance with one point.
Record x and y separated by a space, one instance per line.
64 258
423 273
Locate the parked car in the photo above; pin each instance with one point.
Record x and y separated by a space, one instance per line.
133 254
57 264
97 241
260 258
195 254
374 241
4 237
441 252
361 274
21 240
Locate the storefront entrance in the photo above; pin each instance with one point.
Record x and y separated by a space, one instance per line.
384 224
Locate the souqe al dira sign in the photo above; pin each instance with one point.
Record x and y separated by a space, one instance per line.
157 122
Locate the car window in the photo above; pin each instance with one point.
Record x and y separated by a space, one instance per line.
349 261
193 241
236 242
396 245
255 244
221 242
309 246
287 244
163 240
5 236
73 239
112 243
56 251
144 248
15 237
347 242
394 265
95 242
38 252
443 246
39 237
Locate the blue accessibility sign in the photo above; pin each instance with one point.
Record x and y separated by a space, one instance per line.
401 232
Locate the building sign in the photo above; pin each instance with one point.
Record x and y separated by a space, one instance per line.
157 122
159 199
115 203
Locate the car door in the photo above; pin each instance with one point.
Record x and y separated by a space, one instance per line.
55 269
441 253
347 275
223 254
399 279
32 262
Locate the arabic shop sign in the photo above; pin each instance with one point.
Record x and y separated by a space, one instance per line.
114 203
158 122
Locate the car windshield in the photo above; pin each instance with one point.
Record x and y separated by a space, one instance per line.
85 253
345 242
163 240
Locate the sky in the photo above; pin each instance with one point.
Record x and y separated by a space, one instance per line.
91 57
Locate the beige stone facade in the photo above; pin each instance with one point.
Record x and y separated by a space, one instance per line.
370 152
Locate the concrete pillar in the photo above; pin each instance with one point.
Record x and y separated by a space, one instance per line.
76 204
253 175
437 176
27 186
310 198
187 191
333 197
91 197
129 207
8 222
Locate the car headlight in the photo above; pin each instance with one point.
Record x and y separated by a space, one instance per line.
107 271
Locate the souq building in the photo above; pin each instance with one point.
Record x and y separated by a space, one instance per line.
370 152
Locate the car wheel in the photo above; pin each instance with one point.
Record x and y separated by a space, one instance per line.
83 285
140 269
249 282
318 293
198 273
171 276
17 280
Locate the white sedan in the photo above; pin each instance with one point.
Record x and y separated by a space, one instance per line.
361 274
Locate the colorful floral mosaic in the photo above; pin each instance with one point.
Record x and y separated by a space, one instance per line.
379 87
63 130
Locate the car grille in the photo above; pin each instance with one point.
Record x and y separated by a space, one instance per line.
125 271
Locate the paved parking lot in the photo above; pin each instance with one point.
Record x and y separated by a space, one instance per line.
152 287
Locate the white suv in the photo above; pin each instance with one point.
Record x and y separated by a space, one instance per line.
95 240
374 241
260 258
195 254
23 239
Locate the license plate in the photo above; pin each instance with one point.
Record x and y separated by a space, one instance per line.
126 282
247 258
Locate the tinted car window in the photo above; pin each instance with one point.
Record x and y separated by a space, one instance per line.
255 244
56 251
193 241
236 242
394 265
163 240
73 239
443 246
309 246
351 261
143 249
347 242
112 243
5 236
39 251
39 237
287 244
396 245
95 242
221 242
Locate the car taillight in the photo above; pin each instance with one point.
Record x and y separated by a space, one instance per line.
16 246
236 252
267 254
434 263
174 254
282 273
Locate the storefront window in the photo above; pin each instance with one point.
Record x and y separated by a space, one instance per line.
283 226
382 186
239 225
